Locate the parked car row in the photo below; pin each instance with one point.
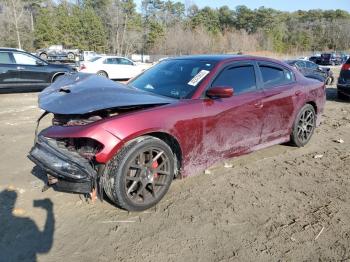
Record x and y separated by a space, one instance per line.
22 71
332 58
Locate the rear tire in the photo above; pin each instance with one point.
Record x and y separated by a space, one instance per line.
140 174
102 73
304 126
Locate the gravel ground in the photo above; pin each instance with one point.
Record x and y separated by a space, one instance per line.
277 204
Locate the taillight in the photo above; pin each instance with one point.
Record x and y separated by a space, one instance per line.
82 66
346 67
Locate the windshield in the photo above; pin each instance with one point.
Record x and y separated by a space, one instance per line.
175 78
95 58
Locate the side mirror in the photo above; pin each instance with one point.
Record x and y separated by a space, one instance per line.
220 92
40 63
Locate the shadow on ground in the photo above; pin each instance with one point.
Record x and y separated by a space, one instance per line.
20 237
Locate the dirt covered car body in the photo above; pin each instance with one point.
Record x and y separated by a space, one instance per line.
180 116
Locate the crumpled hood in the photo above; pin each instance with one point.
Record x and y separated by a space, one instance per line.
81 93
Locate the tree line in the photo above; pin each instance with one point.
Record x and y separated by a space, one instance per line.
168 27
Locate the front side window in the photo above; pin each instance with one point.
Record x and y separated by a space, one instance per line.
5 58
241 78
24 59
275 76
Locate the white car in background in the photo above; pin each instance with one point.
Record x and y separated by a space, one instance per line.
113 67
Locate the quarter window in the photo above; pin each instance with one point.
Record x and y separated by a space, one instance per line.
275 76
241 79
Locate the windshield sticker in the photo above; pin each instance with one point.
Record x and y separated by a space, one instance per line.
198 77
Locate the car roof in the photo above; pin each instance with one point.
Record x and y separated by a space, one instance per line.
10 49
114 56
213 57
292 61
224 58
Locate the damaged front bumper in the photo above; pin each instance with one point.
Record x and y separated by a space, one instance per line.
73 172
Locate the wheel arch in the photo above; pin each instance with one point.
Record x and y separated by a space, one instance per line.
168 138
55 75
172 142
314 105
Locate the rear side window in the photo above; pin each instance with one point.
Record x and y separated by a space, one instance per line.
275 76
5 58
348 62
311 65
111 61
241 79
301 64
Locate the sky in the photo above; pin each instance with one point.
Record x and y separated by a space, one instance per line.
283 5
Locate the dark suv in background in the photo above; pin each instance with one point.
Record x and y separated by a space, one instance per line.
344 81
21 71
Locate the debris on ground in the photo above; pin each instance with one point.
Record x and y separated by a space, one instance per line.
340 141
228 165
207 172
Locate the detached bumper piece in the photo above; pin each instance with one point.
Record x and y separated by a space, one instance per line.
73 172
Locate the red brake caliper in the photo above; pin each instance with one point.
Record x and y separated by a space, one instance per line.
154 166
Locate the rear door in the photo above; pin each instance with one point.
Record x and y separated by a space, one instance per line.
32 71
110 65
234 124
9 75
127 68
278 84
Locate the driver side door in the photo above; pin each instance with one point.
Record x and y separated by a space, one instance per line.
233 125
32 71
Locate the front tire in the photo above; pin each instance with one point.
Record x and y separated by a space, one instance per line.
304 126
139 176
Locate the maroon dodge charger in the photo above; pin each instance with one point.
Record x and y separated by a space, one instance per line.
177 118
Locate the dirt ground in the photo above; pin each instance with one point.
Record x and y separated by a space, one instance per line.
278 204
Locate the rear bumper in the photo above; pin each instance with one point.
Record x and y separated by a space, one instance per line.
344 88
74 173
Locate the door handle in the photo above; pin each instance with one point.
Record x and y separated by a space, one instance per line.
259 105
298 93
20 68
